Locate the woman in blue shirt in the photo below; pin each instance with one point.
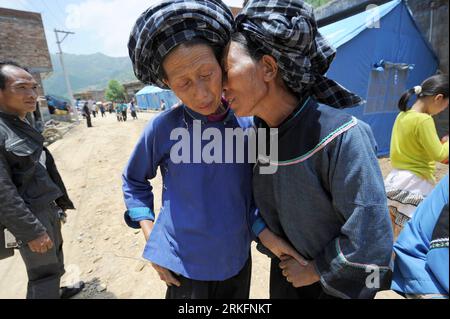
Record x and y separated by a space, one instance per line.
200 244
421 262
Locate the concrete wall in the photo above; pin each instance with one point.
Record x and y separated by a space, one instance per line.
432 18
132 88
435 11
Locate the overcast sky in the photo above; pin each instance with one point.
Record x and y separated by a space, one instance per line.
100 25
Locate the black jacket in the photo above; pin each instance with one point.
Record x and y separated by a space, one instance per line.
26 186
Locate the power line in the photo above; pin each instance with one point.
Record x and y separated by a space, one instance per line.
58 22
60 7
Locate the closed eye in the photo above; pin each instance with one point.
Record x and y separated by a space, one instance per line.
205 76
183 84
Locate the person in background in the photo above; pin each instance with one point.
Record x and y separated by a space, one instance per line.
118 109
90 105
124 109
421 269
94 109
162 106
415 149
133 110
102 110
87 114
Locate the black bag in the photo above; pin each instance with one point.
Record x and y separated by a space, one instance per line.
4 252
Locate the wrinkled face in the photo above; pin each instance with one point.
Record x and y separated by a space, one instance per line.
244 85
194 75
20 93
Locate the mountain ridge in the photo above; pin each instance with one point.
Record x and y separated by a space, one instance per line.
87 72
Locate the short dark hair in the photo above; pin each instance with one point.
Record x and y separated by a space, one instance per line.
3 77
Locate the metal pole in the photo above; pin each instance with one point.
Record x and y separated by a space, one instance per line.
432 6
66 76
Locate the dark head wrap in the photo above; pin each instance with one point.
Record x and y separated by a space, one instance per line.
169 23
287 30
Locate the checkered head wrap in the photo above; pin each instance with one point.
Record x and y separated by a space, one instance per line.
170 23
287 30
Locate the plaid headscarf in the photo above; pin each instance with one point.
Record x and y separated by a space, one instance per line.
287 30
172 22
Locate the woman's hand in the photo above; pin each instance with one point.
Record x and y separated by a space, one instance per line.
166 276
146 226
297 274
280 247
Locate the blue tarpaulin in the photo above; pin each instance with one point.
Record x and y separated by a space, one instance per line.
150 97
56 103
380 54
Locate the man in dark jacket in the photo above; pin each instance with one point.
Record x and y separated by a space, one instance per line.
87 114
32 195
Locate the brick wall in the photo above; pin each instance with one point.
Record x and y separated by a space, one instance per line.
22 39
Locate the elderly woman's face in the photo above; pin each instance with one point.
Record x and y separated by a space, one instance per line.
195 76
244 85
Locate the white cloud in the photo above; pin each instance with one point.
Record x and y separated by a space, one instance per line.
108 23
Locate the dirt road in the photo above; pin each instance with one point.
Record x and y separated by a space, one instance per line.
99 248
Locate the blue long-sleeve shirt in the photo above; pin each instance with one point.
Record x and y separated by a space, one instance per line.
421 262
208 217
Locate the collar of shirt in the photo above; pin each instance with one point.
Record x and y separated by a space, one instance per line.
286 124
22 125
224 117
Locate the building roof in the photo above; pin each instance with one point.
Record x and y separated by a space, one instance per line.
4 12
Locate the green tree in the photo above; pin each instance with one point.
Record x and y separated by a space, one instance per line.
115 91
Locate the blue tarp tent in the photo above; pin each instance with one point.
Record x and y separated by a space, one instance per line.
56 103
380 54
149 98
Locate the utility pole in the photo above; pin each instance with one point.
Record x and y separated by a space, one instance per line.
66 76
